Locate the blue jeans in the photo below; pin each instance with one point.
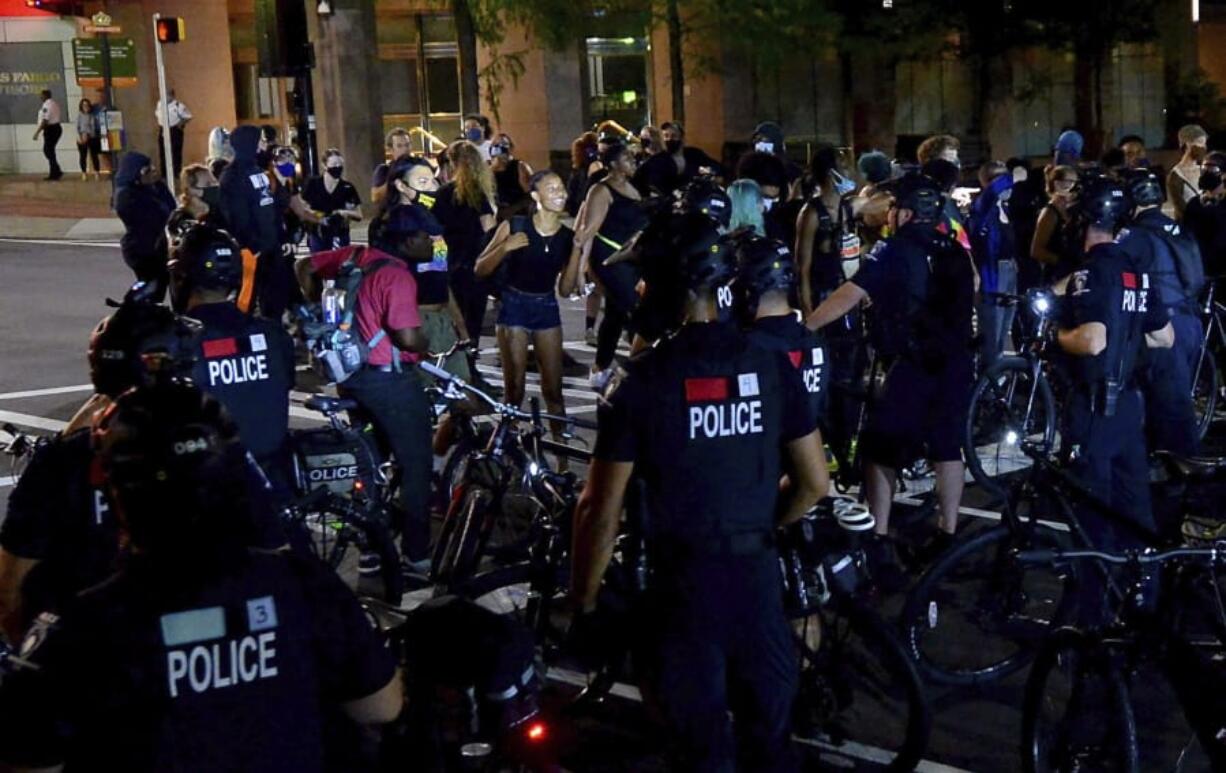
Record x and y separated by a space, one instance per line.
396 404
995 318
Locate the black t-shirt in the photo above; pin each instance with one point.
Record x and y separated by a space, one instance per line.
228 673
921 284
705 416
60 515
804 349
461 227
535 268
1110 289
248 365
343 196
659 175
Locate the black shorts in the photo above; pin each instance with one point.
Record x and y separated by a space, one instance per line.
920 414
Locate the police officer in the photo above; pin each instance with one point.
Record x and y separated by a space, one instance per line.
1114 312
921 285
60 535
706 420
766 285
1171 257
246 363
201 653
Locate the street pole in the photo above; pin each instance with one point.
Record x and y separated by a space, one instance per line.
108 95
167 174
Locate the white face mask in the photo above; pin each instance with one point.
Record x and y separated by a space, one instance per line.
762 146
769 203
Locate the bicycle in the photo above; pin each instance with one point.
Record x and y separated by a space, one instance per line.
1078 709
1206 376
19 447
496 484
1013 400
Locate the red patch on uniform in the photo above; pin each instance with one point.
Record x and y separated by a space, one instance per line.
706 389
220 347
97 475
795 358
1130 280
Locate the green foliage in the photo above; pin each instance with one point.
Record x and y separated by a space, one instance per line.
1196 99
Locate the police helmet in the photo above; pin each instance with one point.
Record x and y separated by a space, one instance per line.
203 257
705 258
1103 204
1144 188
173 459
705 197
125 344
764 265
921 196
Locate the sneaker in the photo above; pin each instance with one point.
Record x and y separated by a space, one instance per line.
589 336
420 568
84 177
599 379
934 548
369 564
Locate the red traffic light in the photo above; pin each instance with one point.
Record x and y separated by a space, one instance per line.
62 7
171 30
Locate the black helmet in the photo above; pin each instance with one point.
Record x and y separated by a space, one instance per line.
707 198
203 257
136 330
764 265
172 457
705 258
1103 204
1144 188
922 196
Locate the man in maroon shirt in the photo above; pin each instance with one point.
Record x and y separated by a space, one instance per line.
388 387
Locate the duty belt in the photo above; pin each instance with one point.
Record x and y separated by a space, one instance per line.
746 543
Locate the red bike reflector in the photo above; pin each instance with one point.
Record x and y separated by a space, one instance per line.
536 731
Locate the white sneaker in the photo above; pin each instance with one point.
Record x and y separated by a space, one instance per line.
589 337
599 379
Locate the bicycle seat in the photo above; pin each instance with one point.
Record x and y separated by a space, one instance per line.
329 405
1193 467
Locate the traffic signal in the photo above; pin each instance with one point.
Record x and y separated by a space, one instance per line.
171 29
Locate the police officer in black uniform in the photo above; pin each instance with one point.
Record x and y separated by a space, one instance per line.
1114 312
921 285
766 285
246 363
1171 257
201 654
60 535
706 419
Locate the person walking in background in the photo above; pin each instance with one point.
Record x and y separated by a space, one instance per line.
89 143
179 116
51 130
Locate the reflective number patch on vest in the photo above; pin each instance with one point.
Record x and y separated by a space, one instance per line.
722 416
215 662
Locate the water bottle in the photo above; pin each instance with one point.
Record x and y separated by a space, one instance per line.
331 302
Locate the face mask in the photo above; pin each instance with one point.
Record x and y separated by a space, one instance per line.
336 171
1198 153
286 170
645 142
769 203
211 196
474 134
425 199
672 146
842 185
590 154
764 147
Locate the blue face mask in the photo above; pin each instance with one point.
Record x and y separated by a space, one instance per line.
474 134
286 170
842 185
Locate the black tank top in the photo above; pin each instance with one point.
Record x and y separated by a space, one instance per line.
510 192
535 268
624 219
826 268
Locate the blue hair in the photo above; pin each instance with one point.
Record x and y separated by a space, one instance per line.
746 197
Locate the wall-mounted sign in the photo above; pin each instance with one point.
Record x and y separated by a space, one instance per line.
88 55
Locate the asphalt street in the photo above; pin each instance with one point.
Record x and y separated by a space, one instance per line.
53 294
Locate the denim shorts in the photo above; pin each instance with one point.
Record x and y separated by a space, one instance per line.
530 311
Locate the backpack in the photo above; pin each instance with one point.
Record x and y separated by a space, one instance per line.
946 304
337 350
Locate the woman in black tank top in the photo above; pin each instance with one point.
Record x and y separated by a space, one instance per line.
511 179
536 256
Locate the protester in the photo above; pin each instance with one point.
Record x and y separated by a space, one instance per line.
336 200
143 203
1181 181
1055 244
398 144
465 207
664 173
748 207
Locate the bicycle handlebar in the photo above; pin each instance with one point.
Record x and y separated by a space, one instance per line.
1132 556
500 408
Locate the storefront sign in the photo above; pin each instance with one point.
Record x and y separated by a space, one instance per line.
25 70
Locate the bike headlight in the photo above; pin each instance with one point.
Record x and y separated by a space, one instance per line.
1041 303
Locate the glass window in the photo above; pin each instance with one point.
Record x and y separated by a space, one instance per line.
438 29
398 85
617 80
244 92
443 85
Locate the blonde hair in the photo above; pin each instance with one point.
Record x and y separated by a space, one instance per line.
474 182
187 177
1062 172
1191 133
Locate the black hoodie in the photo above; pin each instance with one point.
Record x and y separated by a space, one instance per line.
144 210
246 198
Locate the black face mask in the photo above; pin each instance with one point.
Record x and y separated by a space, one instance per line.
672 146
336 171
646 143
211 196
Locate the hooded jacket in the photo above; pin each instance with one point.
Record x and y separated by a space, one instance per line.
144 210
991 232
247 202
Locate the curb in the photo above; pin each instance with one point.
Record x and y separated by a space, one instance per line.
85 229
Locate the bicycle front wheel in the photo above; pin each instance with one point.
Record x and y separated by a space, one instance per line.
978 615
1009 406
1076 714
1205 384
856 678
